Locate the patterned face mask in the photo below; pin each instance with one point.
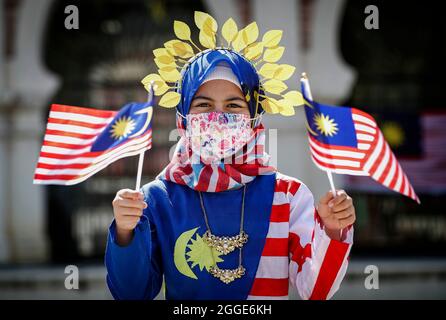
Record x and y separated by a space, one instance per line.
213 136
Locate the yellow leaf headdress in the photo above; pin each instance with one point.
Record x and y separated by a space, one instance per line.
263 54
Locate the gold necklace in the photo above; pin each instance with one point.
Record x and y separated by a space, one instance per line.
226 245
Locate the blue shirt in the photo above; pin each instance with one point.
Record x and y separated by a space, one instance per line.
167 242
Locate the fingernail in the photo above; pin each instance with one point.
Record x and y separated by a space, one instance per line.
145 205
330 204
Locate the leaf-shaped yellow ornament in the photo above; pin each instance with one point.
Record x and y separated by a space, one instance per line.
294 98
287 112
153 77
239 44
179 48
159 64
270 105
268 69
284 103
254 51
206 40
272 38
273 54
170 99
159 90
285 108
203 20
275 86
165 60
170 76
156 80
208 27
250 33
167 68
245 37
181 29
161 52
229 30
284 72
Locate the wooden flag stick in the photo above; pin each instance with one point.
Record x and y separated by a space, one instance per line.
310 96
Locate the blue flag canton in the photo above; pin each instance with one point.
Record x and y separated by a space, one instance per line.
132 121
331 125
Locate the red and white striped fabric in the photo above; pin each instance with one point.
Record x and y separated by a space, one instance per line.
297 251
243 168
372 157
66 157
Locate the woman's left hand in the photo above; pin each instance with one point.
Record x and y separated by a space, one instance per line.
336 213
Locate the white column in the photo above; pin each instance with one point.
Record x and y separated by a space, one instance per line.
32 82
4 245
4 241
2 51
331 78
32 86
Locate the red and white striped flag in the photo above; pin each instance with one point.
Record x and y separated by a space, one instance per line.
348 141
79 142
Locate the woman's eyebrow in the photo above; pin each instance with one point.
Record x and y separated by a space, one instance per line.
236 99
202 97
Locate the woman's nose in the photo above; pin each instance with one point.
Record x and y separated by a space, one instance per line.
219 107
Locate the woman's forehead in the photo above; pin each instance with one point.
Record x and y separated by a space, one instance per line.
218 89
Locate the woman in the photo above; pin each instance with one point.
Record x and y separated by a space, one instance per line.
218 222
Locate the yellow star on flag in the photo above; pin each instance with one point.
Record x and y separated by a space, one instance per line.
325 125
122 127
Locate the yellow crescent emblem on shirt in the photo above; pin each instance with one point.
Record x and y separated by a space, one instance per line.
179 253
199 253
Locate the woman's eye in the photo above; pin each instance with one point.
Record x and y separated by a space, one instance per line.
203 105
233 105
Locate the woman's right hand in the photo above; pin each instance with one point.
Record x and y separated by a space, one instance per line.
127 209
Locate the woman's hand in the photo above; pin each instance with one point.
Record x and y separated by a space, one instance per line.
127 209
336 213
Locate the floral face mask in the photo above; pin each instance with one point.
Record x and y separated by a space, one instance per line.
217 135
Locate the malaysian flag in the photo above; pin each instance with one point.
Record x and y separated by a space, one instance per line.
348 141
79 142
428 168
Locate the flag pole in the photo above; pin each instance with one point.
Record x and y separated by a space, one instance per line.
141 155
139 174
310 96
330 179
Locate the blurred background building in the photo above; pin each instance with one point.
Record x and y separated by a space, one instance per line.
396 73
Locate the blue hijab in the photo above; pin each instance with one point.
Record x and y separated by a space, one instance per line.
198 69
